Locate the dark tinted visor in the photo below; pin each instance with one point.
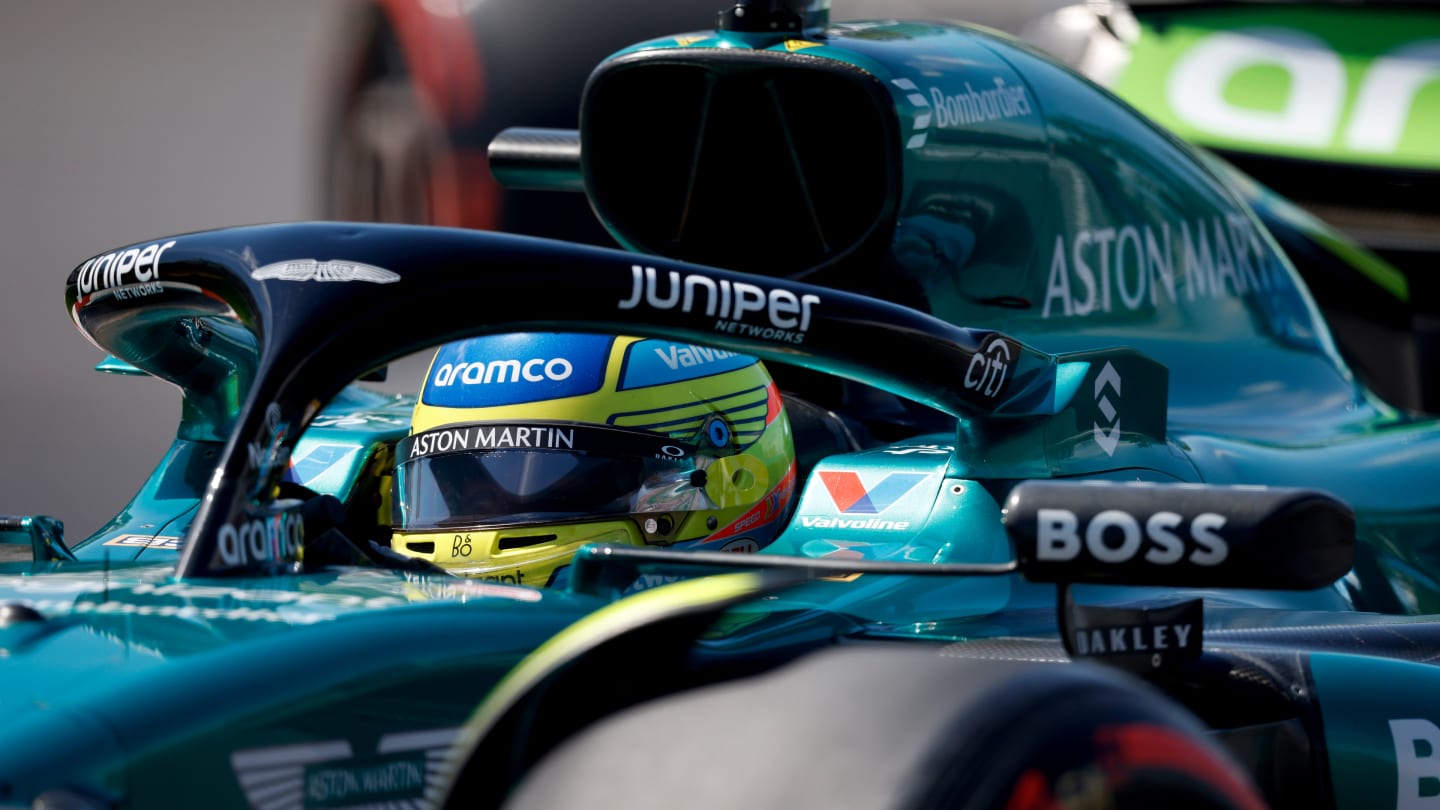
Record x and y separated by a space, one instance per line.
492 474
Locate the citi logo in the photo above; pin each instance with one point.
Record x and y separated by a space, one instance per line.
852 497
1107 435
989 369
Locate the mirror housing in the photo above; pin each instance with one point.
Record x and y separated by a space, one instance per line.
1182 535
44 535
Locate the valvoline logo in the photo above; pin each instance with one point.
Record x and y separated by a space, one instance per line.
852 497
497 370
658 362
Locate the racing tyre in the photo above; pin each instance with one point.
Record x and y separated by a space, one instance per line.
896 727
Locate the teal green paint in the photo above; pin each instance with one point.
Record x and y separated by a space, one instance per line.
114 365
1359 699
348 437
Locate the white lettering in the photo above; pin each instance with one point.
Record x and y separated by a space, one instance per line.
1316 86
1057 536
1213 548
1169 548
1387 95
859 523
1131 639
275 539
1130 297
1417 759
992 365
503 371
1129 536
779 306
1144 265
675 356
1058 286
1315 79
103 272
974 107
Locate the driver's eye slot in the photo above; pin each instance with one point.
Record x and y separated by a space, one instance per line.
506 543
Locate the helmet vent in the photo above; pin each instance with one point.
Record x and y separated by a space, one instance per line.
426 547
524 541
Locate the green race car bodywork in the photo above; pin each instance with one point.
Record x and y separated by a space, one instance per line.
1332 104
1090 413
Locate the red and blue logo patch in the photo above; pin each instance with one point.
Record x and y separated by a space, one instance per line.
852 497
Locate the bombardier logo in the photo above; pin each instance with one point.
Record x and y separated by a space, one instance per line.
784 316
965 108
314 270
1115 536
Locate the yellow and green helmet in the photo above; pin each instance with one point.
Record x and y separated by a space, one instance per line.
524 447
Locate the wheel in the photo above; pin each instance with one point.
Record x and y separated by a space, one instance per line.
895 727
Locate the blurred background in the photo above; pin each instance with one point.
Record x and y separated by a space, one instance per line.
121 122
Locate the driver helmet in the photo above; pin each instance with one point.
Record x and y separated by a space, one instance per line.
523 447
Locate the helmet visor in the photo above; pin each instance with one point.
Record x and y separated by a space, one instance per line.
498 474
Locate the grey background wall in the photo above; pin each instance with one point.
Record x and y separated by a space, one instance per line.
121 122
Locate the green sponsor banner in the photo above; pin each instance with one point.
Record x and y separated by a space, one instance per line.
1351 85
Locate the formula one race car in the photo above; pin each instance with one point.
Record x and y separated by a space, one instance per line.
1095 513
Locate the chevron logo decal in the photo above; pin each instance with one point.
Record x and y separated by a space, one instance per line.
852 497
1108 434
920 130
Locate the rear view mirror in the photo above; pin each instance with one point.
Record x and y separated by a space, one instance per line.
44 535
